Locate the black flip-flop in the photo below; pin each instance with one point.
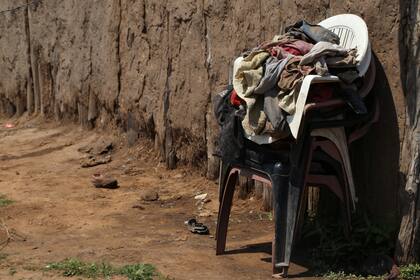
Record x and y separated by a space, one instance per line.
196 227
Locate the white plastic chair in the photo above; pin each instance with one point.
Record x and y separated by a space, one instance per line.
353 33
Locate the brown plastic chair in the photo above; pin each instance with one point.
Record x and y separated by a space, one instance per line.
288 172
287 198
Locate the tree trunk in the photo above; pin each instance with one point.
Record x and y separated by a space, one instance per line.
408 244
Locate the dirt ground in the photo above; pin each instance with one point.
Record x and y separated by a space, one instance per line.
58 214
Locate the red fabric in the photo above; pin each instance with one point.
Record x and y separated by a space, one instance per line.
235 100
276 52
302 46
273 52
292 50
320 93
281 52
282 49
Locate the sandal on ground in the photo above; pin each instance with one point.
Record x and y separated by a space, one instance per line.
196 227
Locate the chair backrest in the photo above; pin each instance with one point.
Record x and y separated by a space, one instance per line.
353 33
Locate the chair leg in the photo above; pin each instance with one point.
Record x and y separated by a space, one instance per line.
224 212
347 219
223 175
286 196
332 151
301 214
224 172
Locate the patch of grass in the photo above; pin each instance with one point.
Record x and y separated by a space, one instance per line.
4 201
334 254
339 276
75 267
335 249
265 216
410 272
344 276
138 271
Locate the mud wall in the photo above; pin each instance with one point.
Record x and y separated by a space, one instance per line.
150 67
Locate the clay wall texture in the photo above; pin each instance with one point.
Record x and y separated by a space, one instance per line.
150 68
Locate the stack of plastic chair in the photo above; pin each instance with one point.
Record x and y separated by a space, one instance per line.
289 166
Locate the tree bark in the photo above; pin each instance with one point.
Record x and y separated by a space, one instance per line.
408 244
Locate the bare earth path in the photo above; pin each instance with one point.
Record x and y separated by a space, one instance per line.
61 215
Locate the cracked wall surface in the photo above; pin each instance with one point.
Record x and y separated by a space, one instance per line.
150 67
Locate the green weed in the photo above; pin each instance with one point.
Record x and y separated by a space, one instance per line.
335 248
410 272
332 251
265 216
138 271
75 267
348 276
4 201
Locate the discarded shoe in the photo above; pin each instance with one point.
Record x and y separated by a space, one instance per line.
104 181
196 227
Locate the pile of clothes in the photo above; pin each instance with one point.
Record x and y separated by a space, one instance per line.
267 81
268 78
